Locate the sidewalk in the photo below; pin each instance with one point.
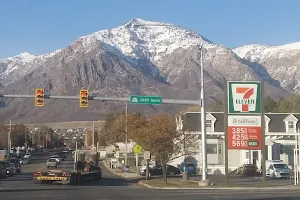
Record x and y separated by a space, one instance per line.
130 174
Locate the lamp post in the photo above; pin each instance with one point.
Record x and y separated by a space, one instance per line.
126 137
203 116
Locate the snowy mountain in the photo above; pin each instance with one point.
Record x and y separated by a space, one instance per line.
281 62
139 57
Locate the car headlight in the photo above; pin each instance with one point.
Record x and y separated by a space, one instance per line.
7 171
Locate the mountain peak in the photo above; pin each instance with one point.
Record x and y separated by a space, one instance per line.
139 39
142 22
21 58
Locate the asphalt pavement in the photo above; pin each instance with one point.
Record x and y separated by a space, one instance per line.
116 188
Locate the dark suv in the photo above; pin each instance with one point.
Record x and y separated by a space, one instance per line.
16 163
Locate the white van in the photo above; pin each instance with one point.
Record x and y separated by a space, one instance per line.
277 169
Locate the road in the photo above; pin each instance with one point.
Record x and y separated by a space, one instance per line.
116 188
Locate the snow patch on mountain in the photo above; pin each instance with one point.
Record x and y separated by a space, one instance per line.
257 52
21 58
141 39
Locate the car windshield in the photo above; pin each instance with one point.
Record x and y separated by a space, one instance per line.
280 166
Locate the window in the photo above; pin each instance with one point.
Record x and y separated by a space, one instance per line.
220 148
211 148
208 123
281 149
291 124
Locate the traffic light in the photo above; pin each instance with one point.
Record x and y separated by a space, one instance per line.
83 99
39 97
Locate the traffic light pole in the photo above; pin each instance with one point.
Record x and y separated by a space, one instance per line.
96 98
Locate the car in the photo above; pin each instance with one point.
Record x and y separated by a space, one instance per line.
157 170
25 161
247 170
8 167
51 163
27 155
188 167
2 171
57 158
62 156
17 164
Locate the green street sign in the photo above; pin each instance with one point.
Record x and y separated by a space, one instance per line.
244 97
145 99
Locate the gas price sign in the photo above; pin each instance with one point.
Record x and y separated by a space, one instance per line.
248 138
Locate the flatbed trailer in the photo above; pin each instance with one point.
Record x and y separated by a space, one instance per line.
65 177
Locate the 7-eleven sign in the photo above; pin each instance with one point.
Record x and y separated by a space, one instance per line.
244 97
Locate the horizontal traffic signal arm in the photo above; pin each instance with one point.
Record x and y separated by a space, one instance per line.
99 98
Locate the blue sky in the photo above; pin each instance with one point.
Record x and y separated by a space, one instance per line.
40 27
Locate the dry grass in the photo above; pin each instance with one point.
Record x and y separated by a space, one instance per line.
171 183
66 125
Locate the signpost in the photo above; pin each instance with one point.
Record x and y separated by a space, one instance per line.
145 100
137 149
244 119
147 155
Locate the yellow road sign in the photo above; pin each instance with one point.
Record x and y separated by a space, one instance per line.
137 149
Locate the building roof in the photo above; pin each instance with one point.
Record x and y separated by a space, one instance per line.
192 121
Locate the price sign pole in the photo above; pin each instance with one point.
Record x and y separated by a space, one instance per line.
244 119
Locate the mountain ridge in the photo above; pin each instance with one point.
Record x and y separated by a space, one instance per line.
138 57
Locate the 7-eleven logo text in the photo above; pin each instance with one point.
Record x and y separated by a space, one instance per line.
244 97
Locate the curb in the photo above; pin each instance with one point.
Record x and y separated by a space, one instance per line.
118 174
218 188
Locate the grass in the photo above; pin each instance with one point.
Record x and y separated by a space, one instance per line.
171 183
179 183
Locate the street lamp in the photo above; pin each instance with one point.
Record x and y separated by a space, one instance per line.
203 116
126 135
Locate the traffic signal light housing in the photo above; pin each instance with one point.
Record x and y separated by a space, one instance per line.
39 97
83 99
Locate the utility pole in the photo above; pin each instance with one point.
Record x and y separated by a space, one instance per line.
9 139
203 116
46 144
93 139
126 136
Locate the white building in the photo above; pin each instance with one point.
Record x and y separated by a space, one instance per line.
280 131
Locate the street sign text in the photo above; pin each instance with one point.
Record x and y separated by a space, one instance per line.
145 99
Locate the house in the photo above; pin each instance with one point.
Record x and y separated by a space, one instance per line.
280 132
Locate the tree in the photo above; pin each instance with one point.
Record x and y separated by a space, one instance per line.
218 107
289 105
270 105
18 135
108 128
191 109
158 136
3 136
114 130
